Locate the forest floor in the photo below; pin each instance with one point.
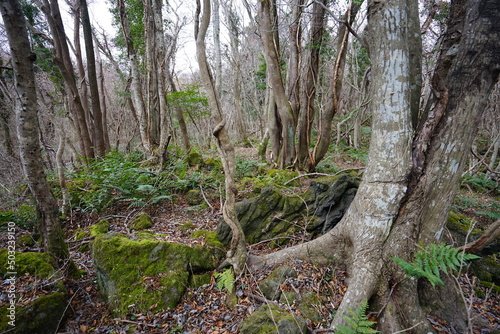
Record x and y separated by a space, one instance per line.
204 310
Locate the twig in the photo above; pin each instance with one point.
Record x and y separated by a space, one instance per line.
407 329
135 323
205 198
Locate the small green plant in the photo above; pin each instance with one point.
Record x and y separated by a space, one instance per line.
433 259
225 280
357 321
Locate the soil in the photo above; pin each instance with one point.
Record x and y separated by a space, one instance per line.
205 310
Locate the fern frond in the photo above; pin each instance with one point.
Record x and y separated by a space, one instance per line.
357 321
225 280
433 260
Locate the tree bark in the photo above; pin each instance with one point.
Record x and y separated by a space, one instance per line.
99 123
28 131
136 78
325 131
62 58
285 111
236 255
307 91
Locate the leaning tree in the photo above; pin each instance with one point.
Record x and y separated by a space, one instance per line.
413 169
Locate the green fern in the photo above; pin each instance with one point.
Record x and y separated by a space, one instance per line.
225 280
357 322
429 262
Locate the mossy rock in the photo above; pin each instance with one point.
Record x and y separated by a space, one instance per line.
42 316
25 241
213 163
141 222
194 158
146 273
210 237
194 197
273 214
270 319
101 227
40 265
195 281
271 285
281 176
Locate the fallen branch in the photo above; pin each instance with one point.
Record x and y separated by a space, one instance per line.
491 233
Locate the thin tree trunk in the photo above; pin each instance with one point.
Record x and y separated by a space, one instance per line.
236 255
63 60
309 78
136 78
99 125
285 112
325 131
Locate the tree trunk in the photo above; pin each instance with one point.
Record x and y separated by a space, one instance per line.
325 131
136 78
236 255
99 124
285 112
28 131
403 201
62 58
307 92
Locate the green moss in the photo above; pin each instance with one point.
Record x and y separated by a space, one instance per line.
308 306
281 176
101 227
42 316
146 273
195 281
25 240
194 158
210 237
270 319
194 197
141 222
494 288
79 234
40 265
187 226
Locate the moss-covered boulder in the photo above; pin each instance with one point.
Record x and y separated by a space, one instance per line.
40 265
194 197
270 319
193 158
210 237
142 222
271 285
43 316
102 226
135 276
273 214
25 241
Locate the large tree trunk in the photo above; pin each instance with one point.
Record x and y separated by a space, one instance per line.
236 255
403 201
28 131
